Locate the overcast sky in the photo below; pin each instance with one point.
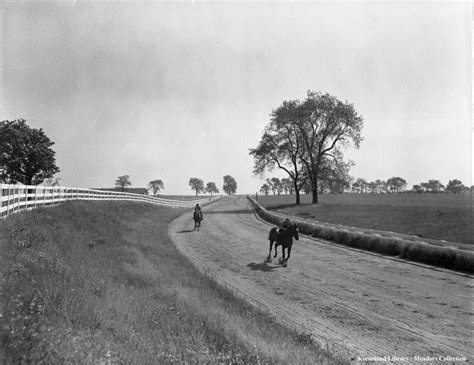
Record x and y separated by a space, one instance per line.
177 90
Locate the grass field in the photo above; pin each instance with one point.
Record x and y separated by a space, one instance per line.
101 282
437 216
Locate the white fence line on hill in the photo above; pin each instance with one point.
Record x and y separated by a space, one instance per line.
19 197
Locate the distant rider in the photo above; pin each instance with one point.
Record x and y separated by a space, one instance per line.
198 210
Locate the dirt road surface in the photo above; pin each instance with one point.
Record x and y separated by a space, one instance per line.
354 303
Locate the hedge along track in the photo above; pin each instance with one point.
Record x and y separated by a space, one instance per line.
366 252
386 243
353 302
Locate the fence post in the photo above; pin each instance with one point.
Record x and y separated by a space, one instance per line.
8 200
36 194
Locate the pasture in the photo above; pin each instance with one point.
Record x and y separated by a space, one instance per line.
101 282
435 216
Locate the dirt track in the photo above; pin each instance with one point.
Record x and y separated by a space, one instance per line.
353 302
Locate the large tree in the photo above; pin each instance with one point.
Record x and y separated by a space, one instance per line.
25 154
212 188
230 185
122 182
325 125
156 186
196 185
280 146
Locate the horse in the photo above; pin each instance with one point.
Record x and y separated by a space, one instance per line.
283 238
197 216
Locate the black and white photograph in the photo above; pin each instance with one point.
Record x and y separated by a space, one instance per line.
236 182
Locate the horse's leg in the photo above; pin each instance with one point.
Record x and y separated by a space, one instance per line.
269 258
276 251
289 252
285 259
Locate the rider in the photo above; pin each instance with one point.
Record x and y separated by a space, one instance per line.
286 224
197 210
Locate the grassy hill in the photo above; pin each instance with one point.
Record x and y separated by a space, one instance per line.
101 282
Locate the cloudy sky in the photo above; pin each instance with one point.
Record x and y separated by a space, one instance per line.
183 89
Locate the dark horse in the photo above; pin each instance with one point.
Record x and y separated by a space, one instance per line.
283 238
197 216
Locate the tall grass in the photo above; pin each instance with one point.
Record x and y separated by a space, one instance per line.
101 282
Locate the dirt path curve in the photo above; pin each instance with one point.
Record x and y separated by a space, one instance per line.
353 303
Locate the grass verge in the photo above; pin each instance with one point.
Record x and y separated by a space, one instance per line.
101 282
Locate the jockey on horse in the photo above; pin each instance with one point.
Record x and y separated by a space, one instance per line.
198 211
197 216
286 224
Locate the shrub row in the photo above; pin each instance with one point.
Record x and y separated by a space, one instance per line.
445 257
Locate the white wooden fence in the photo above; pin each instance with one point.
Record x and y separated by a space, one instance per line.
18 197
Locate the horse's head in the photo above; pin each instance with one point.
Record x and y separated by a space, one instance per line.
294 231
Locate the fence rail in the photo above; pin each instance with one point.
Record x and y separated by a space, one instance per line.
19 197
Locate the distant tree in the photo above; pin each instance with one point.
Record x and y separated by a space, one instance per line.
372 187
122 182
425 187
455 186
360 186
212 188
334 174
277 185
287 186
156 186
270 185
265 189
381 186
25 154
197 185
433 186
396 184
230 185
418 189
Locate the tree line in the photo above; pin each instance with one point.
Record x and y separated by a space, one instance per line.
229 186
155 186
26 157
394 185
